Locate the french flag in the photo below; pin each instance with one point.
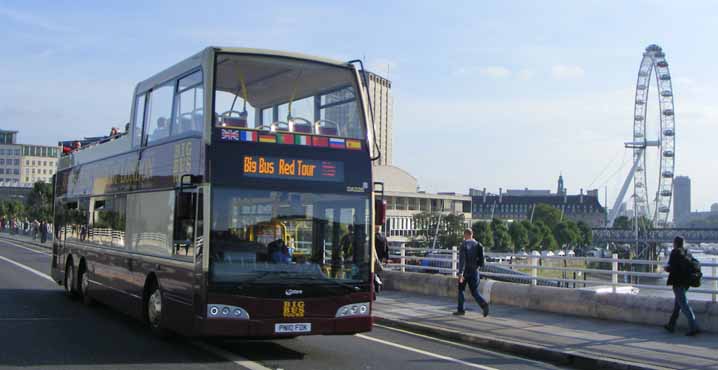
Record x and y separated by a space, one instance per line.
248 136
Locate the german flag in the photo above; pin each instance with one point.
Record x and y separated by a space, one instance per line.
267 139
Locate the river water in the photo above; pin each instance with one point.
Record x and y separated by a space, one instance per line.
708 271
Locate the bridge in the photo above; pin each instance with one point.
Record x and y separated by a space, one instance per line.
610 235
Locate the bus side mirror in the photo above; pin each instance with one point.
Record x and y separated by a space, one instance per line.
379 212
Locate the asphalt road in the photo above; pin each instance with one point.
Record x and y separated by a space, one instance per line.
42 329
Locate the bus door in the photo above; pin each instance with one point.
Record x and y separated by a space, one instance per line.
334 237
187 245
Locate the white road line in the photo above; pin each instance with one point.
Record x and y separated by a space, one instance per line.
20 246
27 268
237 359
426 353
460 345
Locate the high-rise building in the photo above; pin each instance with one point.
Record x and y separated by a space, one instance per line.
21 165
383 104
681 199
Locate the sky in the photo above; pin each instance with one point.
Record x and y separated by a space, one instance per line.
494 94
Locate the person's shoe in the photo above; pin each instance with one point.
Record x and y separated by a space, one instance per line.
459 313
693 332
485 309
670 328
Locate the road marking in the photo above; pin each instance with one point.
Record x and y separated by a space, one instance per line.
27 268
23 247
460 345
237 359
426 353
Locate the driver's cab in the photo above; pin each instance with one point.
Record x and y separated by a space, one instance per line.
284 95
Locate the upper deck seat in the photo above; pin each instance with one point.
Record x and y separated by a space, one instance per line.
234 121
302 127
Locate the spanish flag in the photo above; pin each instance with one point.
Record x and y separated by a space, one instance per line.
354 144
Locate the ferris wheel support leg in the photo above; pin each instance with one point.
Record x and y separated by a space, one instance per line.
617 204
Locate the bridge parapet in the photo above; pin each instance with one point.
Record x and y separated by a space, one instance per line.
655 235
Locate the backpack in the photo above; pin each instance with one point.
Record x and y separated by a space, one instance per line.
694 271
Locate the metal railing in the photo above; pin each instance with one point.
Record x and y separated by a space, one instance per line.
612 273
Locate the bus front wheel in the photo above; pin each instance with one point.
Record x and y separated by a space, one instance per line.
70 290
85 285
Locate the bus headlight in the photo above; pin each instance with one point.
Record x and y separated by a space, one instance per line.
353 310
223 311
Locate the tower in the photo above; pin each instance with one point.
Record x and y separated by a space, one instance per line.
561 190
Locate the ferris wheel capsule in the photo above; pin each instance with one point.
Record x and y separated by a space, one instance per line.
666 93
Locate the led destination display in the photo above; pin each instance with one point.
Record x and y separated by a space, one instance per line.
292 168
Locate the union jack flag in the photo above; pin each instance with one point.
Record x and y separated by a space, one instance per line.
230 135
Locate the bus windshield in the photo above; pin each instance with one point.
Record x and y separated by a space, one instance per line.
286 95
266 236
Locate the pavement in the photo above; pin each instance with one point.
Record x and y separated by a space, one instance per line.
42 329
562 339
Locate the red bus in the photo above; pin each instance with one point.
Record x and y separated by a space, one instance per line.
237 202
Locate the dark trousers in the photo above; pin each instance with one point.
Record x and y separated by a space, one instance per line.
681 304
473 281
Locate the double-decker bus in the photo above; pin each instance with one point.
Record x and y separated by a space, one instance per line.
238 202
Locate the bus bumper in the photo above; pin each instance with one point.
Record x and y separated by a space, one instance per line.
267 327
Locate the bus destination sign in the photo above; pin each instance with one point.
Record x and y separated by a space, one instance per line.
291 168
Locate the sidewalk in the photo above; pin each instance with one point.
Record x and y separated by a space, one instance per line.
568 340
26 239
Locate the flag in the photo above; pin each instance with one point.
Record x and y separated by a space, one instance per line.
248 136
302 140
230 135
354 144
267 139
320 141
285 138
336 143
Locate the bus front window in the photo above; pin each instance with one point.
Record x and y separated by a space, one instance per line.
263 235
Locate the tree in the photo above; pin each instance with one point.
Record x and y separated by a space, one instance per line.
622 223
586 233
534 235
39 202
483 234
548 241
502 239
447 229
519 236
546 214
566 234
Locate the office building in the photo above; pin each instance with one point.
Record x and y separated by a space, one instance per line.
681 199
21 165
383 104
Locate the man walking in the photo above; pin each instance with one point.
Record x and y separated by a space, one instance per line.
679 269
471 257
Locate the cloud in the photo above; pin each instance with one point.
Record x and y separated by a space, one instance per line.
495 72
525 74
567 72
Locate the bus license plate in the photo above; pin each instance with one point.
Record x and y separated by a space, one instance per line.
293 328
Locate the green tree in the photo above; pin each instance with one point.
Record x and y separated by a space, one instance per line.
483 234
548 241
566 234
502 239
39 202
623 223
15 209
586 234
534 235
546 214
519 236
447 229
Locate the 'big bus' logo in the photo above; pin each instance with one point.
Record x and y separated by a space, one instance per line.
293 309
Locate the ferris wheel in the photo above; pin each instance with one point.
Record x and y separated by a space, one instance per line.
654 206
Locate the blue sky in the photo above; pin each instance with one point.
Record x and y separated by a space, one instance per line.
487 93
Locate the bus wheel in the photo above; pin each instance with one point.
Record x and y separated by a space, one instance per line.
154 309
85 286
70 280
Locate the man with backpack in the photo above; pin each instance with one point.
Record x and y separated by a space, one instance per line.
471 257
683 272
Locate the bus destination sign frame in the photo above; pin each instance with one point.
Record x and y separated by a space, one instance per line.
259 166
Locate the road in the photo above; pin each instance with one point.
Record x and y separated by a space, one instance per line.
42 329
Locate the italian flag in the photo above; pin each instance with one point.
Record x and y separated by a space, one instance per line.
301 140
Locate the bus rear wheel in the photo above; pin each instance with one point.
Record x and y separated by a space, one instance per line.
70 290
154 309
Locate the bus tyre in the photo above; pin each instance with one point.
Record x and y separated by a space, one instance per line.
154 309
69 282
85 286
